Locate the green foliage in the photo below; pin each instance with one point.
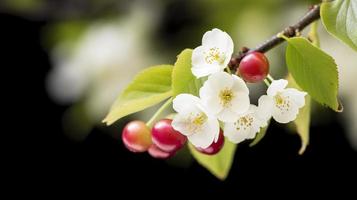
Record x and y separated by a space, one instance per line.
340 20
313 36
260 135
313 70
183 81
219 164
148 88
302 121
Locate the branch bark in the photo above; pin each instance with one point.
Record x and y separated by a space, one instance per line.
290 31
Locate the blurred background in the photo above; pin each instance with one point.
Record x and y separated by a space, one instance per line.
66 61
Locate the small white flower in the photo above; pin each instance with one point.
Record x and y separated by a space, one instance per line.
213 55
245 125
192 120
225 96
283 104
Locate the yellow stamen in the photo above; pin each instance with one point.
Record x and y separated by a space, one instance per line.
213 55
195 122
244 122
200 119
226 97
282 102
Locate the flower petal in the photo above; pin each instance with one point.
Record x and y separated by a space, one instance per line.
197 57
286 114
239 84
242 129
219 81
210 99
186 103
265 107
240 102
276 86
210 91
181 124
259 121
297 96
206 136
205 70
218 38
227 115
233 135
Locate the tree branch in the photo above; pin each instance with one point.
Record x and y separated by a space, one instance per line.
291 31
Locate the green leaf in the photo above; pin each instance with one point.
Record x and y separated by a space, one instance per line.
183 81
340 20
219 164
260 135
148 88
313 35
302 121
314 71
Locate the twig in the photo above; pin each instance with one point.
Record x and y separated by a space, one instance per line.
291 31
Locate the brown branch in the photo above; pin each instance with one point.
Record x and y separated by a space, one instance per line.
291 31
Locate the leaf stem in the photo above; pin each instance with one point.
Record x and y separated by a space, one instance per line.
270 78
267 82
159 112
229 70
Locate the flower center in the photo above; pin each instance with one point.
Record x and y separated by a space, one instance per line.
244 123
282 103
213 55
226 97
199 119
196 122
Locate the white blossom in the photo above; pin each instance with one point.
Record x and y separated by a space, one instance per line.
225 96
192 120
245 126
282 103
213 55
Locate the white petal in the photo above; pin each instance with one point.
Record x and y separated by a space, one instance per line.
254 130
265 107
186 103
240 102
221 40
276 86
229 49
205 70
297 96
206 136
259 121
200 67
285 115
210 99
219 81
237 132
227 115
218 38
210 91
239 85
233 134
197 58
180 123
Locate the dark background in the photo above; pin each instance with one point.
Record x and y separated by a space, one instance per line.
41 158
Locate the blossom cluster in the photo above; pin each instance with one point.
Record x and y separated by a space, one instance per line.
223 100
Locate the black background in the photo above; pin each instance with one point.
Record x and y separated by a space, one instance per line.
41 159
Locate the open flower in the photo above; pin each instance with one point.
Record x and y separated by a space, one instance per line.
214 54
245 126
283 104
225 96
192 120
